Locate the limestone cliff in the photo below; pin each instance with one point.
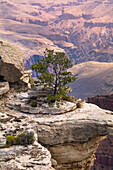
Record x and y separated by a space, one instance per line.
71 133
63 138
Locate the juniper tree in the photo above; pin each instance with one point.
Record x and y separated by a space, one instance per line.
52 72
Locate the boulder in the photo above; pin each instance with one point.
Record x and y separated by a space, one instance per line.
11 62
23 83
4 87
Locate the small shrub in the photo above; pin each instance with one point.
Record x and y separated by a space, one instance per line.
25 138
31 81
67 98
10 140
33 104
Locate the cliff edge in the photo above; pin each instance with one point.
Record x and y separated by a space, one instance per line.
63 138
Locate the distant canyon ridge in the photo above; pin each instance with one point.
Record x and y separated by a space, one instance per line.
83 29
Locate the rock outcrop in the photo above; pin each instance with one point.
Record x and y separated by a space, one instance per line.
33 156
103 101
11 62
104 154
4 87
73 136
12 71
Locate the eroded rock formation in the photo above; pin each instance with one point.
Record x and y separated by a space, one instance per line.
33 156
12 71
104 154
4 87
73 136
70 134
103 101
11 62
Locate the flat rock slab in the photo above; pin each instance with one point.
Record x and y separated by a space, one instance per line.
43 109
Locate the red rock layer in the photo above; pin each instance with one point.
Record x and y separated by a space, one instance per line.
104 154
103 101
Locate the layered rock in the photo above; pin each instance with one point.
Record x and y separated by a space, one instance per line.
104 154
103 101
33 156
4 87
38 95
21 157
73 136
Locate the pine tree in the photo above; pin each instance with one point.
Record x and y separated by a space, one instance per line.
52 72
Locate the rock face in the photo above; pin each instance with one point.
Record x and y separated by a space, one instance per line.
4 87
73 136
104 154
103 101
11 62
12 71
21 157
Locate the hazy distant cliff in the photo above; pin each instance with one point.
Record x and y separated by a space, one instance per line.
83 29
103 101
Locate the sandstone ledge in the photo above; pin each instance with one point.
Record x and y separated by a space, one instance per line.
72 137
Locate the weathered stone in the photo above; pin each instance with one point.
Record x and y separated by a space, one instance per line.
4 87
4 117
40 91
75 136
25 78
21 157
2 139
72 135
23 83
11 62
25 107
103 101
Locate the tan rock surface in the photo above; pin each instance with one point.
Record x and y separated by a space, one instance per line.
19 157
11 62
4 87
72 137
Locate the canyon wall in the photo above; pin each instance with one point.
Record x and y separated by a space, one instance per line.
104 154
103 101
